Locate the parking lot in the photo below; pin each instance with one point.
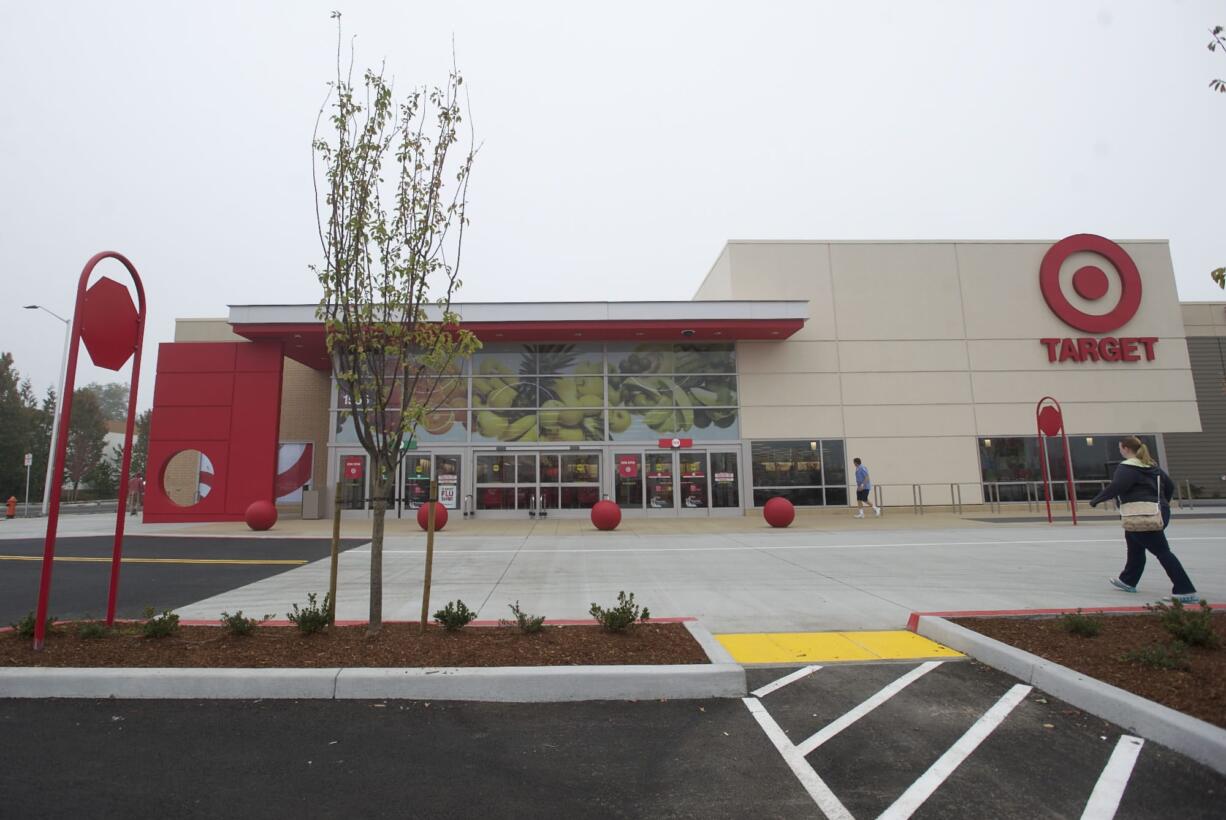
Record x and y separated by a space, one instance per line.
959 739
159 571
692 759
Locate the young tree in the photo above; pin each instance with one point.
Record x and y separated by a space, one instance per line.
391 217
86 437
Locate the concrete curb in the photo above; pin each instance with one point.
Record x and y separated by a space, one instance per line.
722 678
67 682
1195 738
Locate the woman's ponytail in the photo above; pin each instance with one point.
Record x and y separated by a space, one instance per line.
1135 444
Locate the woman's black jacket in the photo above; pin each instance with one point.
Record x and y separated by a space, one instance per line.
1133 483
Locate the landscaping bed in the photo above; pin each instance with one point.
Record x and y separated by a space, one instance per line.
1196 685
397 645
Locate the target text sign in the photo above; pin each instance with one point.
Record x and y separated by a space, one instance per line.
1092 283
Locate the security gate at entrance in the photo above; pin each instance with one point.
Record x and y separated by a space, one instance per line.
676 482
537 482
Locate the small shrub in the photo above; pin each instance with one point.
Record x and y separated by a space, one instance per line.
454 616
92 629
1191 626
25 627
1173 655
1077 623
159 626
311 618
237 625
527 623
621 617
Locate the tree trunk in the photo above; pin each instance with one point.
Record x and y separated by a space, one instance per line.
335 552
376 559
425 592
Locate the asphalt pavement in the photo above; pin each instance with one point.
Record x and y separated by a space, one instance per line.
683 759
162 572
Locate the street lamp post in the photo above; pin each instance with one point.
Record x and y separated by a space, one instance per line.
59 403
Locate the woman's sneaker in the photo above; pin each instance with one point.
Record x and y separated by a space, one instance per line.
1183 598
1120 585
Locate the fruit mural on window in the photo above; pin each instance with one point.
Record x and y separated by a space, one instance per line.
556 393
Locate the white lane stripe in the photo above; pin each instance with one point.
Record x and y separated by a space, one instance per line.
1105 798
784 681
457 547
814 785
867 706
930 781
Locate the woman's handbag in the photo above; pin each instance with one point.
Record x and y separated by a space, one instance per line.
1142 516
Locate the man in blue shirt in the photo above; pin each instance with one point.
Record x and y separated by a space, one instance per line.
864 486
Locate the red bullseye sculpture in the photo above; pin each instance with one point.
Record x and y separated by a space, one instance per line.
261 515
440 516
606 515
779 512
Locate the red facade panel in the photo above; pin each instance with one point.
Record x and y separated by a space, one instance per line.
224 400
193 389
197 357
202 423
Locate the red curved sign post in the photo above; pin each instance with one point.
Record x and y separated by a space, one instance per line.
1049 419
113 330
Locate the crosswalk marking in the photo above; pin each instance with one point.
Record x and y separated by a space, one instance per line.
830 805
929 781
1109 789
784 681
887 692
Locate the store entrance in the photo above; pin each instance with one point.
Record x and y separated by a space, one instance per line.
676 482
537 483
416 470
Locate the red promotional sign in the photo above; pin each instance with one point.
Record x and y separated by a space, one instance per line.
1091 283
628 466
353 467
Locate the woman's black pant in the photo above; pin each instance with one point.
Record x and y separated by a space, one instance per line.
1155 542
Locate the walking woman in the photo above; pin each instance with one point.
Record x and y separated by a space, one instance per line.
1138 478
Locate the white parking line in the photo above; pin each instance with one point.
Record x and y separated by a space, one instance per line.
814 785
929 781
832 729
784 681
1105 798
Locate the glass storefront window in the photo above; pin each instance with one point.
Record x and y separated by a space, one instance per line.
1013 464
628 481
807 473
724 480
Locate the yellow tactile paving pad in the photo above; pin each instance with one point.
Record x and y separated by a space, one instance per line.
832 647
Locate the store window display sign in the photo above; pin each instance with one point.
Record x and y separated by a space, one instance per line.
1092 284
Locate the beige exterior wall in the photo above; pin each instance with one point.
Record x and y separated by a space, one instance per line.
304 413
914 350
205 330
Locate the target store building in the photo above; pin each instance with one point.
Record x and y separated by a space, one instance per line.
923 359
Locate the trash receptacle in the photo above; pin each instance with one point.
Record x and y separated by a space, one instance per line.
310 504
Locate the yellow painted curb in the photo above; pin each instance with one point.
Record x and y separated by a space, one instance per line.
832 647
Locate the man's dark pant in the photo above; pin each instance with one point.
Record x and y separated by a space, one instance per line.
1155 542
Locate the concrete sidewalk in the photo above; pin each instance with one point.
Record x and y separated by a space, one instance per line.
742 579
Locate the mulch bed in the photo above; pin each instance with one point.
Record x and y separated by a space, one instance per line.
397 645
1199 691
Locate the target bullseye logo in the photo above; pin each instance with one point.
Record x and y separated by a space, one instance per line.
1091 283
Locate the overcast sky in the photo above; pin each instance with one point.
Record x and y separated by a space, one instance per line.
622 147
